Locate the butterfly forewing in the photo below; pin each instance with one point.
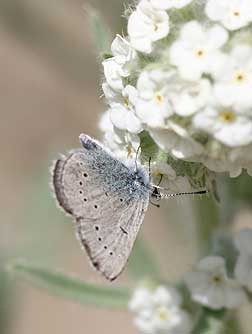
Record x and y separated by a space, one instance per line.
94 188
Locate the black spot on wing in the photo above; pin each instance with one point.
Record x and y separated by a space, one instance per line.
123 230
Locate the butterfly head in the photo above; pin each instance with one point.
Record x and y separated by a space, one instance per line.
142 176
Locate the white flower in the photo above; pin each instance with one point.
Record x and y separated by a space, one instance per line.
222 163
233 14
210 286
172 183
232 128
176 140
162 174
197 50
105 124
122 108
167 4
113 73
124 144
159 169
147 25
140 299
153 106
234 82
241 156
119 66
159 311
243 268
189 97
124 54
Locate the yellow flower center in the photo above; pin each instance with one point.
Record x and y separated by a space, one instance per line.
200 53
217 279
236 13
126 101
130 151
163 313
239 77
227 116
159 98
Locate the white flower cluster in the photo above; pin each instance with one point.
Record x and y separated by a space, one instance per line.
187 83
209 284
159 311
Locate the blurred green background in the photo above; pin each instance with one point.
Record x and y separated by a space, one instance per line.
49 93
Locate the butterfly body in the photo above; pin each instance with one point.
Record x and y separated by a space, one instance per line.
107 200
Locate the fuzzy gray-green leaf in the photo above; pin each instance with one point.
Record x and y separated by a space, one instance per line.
69 288
100 31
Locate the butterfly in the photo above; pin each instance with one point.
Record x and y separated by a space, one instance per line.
107 199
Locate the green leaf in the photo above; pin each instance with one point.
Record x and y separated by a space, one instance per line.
141 263
211 322
148 146
217 322
69 288
100 32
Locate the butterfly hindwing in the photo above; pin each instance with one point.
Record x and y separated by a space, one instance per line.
95 189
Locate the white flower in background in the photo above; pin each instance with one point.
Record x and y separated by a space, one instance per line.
153 106
189 97
122 108
176 140
159 311
241 156
221 163
140 299
197 50
147 25
233 14
167 4
119 66
243 268
231 127
234 82
209 285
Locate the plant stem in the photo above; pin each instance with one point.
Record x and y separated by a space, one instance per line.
207 222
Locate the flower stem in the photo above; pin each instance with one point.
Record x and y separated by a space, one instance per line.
207 218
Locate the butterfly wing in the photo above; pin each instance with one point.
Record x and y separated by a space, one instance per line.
96 190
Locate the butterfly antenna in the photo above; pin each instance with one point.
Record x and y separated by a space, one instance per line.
200 192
